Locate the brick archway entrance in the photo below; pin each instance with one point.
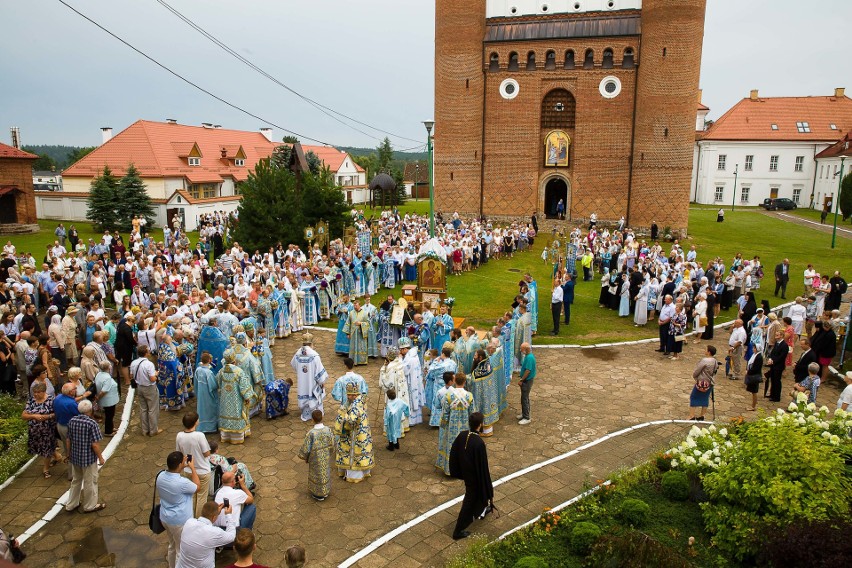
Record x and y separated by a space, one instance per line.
554 187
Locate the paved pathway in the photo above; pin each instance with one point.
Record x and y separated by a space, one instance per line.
827 227
580 396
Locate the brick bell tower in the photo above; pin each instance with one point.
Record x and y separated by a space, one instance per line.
666 93
459 79
589 102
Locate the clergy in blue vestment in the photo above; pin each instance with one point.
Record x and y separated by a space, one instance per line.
495 354
357 327
310 305
225 320
485 386
442 326
281 313
170 378
338 391
456 408
207 396
344 308
213 341
360 283
388 334
251 369
369 277
434 380
373 330
533 301
311 375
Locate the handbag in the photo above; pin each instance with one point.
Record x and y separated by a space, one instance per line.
154 522
703 385
752 380
702 320
681 337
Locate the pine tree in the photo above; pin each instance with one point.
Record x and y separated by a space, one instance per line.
133 200
102 201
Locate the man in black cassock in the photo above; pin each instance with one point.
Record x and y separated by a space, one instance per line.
469 462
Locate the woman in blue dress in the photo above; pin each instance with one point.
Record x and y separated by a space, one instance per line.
624 292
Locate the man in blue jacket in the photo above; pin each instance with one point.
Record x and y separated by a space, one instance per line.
567 297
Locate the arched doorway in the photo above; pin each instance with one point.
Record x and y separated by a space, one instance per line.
556 189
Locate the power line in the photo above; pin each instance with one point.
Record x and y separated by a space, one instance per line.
187 81
322 108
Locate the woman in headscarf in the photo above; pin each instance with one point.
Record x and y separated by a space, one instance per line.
56 341
39 413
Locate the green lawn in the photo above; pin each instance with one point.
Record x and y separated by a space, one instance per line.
416 206
814 215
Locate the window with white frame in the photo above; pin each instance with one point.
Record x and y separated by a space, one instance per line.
723 158
821 168
720 194
744 190
194 161
239 162
749 162
800 163
797 194
803 127
773 163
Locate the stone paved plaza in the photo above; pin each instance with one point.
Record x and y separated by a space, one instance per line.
580 396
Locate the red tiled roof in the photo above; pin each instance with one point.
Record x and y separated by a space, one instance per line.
842 148
12 152
752 119
331 157
159 149
202 176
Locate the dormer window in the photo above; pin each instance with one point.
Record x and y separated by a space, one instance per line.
239 162
833 126
803 127
194 161
774 127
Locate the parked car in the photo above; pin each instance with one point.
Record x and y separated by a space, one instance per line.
778 203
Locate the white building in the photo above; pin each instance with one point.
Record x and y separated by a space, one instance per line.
768 145
829 164
351 177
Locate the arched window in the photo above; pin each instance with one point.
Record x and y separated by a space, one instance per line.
531 61
569 59
494 62
589 61
628 62
513 61
607 59
550 60
558 110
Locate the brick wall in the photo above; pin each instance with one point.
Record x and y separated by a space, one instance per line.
19 172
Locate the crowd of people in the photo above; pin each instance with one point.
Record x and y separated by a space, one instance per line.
176 322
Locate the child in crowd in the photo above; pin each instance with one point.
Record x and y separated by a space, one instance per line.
395 411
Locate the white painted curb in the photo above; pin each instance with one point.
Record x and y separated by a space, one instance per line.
17 473
107 453
384 539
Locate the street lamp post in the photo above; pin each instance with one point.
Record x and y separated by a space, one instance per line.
837 201
734 198
429 124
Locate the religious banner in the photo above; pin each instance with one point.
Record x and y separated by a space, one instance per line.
571 258
364 239
556 145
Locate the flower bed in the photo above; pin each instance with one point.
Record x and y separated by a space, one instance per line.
772 492
13 437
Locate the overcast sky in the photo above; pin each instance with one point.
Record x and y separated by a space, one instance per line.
372 60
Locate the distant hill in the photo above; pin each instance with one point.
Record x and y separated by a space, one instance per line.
58 153
397 156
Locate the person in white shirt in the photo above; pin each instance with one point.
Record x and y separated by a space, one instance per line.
845 400
142 371
556 305
192 443
240 499
200 539
735 344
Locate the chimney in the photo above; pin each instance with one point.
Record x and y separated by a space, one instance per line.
207 125
754 95
16 137
106 134
224 152
267 132
839 92
171 121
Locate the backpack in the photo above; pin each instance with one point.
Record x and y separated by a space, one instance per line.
842 286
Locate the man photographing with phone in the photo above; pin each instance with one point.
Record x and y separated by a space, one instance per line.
240 499
200 538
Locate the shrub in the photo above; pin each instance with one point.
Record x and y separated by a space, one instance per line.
583 537
675 485
633 549
531 562
664 462
779 474
817 545
634 512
